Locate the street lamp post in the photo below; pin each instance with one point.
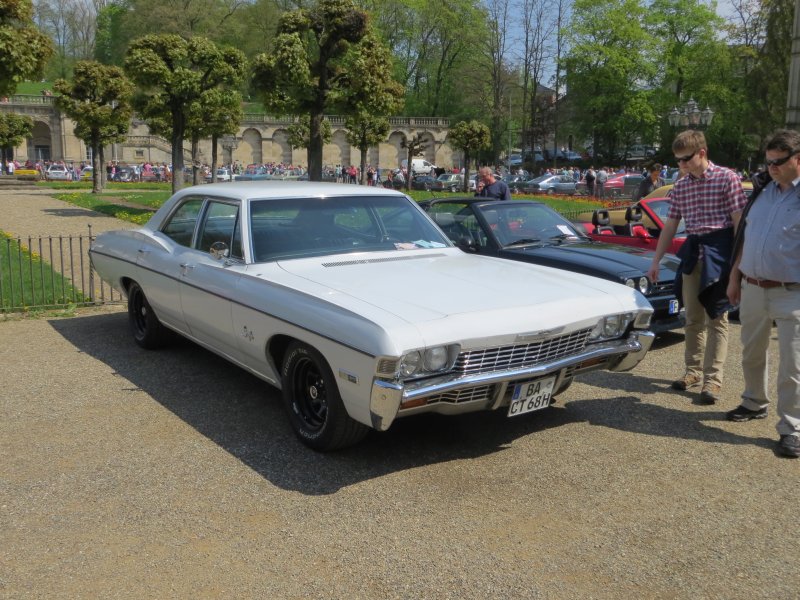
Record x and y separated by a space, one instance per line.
690 116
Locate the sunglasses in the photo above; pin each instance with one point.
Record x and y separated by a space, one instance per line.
686 158
777 162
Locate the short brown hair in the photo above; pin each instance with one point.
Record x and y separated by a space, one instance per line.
689 141
783 139
654 167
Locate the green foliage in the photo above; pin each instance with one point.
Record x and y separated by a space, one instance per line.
13 130
98 99
25 50
299 133
174 76
325 60
112 37
609 69
364 131
469 137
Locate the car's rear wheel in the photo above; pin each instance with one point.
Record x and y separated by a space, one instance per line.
313 403
147 330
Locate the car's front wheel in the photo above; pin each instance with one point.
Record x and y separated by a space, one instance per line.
313 403
147 330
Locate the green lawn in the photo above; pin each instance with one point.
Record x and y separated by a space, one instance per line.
112 203
27 281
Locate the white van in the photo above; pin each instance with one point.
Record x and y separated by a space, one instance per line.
420 166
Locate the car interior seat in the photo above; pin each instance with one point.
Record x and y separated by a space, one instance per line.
601 221
633 216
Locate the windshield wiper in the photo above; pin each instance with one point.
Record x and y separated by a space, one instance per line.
524 242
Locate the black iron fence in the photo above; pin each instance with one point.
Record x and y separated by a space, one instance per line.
49 272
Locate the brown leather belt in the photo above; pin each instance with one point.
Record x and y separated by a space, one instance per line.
766 283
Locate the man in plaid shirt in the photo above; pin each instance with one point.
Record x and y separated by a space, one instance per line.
710 200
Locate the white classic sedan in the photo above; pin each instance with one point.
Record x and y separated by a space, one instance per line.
356 305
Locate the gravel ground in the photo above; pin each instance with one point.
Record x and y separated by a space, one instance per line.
173 474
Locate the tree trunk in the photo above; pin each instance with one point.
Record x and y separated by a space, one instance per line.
466 172
214 159
315 147
178 129
363 165
97 166
195 159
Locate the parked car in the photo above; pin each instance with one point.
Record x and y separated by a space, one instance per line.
422 182
550 184
514 160
639 224
254 174
517 182
57 172
533 232
449 182
223 174
125 174
617 186
358 308
87 173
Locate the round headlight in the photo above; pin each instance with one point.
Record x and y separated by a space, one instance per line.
643 284
436 358
611 328
411 363
630 283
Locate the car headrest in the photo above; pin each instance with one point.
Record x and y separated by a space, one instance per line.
444 219
600 217
633 214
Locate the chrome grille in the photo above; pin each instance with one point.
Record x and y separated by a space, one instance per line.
662 288
475 394
521 355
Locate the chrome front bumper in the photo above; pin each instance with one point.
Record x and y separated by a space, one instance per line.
387 397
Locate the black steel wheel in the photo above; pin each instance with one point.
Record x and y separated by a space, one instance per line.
147 330
313 403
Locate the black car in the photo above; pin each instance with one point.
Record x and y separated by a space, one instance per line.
533 232
422 182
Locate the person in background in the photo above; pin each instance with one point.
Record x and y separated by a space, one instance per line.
709 199
649 183
765 282
492 187
600 182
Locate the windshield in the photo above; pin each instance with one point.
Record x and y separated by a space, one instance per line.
660 208
303 227
528 224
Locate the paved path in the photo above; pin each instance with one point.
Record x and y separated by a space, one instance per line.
37 213
59 232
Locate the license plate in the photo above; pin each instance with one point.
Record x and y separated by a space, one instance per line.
531 395
674 309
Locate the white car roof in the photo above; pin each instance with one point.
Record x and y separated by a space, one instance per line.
284 189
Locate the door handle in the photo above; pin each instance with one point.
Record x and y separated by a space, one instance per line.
186 266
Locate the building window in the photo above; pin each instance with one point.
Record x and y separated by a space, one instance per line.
139 153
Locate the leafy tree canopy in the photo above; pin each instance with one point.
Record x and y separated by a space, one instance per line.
25 50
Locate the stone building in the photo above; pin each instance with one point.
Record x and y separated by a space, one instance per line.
260 139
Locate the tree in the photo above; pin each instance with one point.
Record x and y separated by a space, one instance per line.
13 130
470 138
364 131
414 146
172 74
609 69
25 50
299 133
98 99
325 60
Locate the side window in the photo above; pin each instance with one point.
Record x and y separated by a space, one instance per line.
221 224
180 227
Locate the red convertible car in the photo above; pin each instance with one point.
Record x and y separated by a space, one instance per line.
637 225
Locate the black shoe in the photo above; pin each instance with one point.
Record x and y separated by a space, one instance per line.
790 445
741 414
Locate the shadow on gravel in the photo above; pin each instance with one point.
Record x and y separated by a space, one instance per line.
632 415
69 212
245 415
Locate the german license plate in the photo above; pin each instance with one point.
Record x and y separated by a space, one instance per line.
531 395
674 309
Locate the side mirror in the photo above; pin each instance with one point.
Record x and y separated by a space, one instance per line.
219 250
468 244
